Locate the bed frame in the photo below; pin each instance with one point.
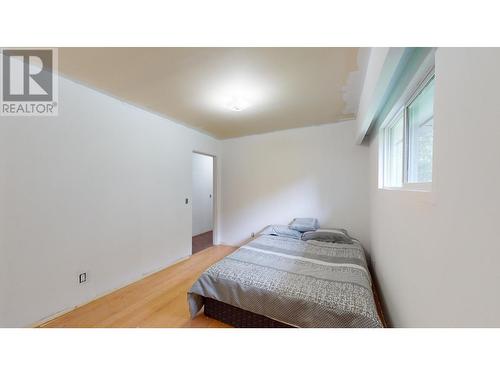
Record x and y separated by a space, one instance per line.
239 318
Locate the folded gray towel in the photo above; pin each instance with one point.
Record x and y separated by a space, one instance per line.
304 224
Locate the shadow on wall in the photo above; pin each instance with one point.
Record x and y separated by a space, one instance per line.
311 172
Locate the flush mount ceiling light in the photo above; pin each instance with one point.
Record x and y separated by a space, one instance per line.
237 104
235 93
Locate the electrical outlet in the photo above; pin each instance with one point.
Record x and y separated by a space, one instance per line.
82 278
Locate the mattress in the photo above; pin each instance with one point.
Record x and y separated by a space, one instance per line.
299 283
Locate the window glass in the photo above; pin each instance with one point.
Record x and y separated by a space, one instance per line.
420 135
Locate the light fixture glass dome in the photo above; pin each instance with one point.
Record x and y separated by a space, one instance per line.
237 104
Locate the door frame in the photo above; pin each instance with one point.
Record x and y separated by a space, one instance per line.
215 195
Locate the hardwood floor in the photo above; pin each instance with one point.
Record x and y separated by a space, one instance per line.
159 300
202 241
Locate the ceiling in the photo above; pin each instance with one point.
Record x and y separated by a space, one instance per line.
225 92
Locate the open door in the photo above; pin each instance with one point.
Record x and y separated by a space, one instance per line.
202 201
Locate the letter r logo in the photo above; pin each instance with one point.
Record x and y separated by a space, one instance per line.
27 75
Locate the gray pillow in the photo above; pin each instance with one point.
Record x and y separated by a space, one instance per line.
303 224
328 235
282 231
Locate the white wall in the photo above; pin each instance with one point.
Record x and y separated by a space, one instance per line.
437 258
101 189
202 193
315 171
3 253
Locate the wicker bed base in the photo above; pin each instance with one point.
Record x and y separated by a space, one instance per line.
237 317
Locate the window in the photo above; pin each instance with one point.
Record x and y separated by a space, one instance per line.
408 141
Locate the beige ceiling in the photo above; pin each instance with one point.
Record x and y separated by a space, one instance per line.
283 87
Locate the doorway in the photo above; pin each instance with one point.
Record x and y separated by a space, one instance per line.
202 201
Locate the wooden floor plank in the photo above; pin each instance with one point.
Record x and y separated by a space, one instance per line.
202 241
159 300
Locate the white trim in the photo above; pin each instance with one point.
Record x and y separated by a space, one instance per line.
421 186
385 145
215 197
423 83
425 187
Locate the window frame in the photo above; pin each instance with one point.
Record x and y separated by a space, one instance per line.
402 107
387 146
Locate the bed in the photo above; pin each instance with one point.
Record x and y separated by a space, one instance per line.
276 281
